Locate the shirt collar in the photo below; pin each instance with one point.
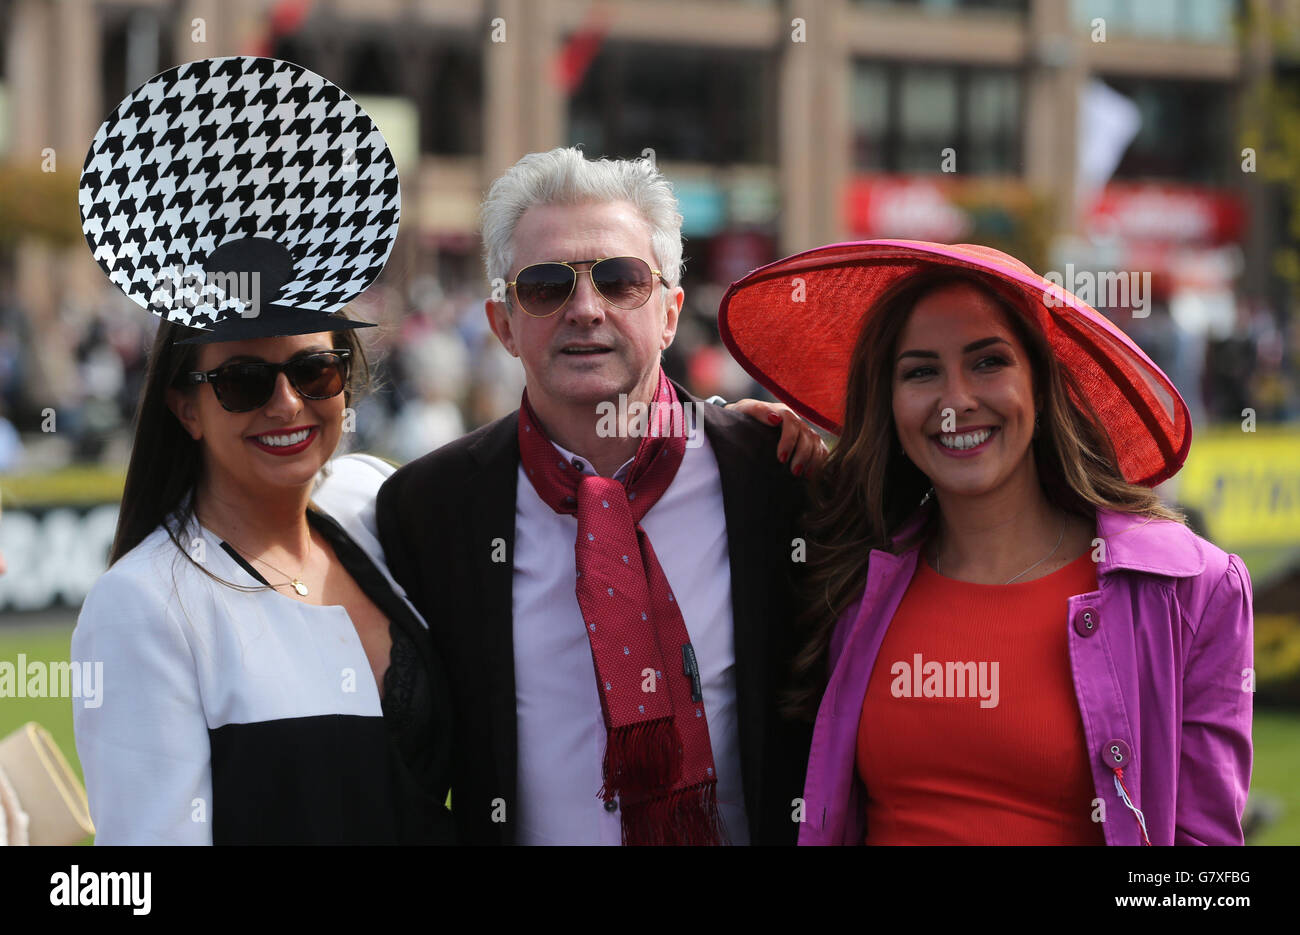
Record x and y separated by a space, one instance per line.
584 464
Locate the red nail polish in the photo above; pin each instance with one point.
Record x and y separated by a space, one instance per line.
798 469
782 456
773 418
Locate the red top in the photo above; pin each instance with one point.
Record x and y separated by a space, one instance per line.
970 730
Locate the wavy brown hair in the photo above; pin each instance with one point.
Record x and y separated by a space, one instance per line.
166 462
868 488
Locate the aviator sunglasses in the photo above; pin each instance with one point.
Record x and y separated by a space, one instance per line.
623 281
247 385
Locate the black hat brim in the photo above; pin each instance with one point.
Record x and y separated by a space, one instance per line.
300 321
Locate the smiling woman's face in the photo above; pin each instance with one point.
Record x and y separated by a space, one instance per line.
958 352
240 447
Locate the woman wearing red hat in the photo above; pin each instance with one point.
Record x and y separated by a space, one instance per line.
1010 639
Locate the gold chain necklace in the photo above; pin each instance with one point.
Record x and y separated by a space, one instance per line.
1031 567
295 582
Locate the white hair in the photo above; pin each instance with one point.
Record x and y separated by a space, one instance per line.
564 176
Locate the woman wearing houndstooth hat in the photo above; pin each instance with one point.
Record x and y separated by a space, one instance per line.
1011 640
273 684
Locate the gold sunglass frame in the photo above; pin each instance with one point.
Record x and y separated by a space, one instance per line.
590 264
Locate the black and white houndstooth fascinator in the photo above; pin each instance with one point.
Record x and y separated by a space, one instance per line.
245 196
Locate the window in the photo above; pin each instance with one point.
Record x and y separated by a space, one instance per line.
451 107
994 123
136 46
905 116
1196 20
442 76
927 115
1186 131
686 103
953 6
870 101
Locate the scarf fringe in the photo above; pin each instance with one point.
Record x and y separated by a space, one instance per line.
687 817
641 759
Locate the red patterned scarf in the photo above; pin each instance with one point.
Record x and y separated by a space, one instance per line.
658 759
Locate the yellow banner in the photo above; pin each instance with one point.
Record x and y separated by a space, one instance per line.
1246 483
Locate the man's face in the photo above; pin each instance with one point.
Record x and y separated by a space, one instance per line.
589 350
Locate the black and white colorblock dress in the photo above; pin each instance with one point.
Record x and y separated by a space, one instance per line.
231 717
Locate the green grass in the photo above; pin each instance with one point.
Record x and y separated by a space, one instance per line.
1277 733
47 644
1276 772
70 485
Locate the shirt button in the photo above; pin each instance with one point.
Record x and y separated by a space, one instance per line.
611 805
578 465
1116 754
1087 621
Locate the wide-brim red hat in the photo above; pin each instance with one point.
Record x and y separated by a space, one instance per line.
796 339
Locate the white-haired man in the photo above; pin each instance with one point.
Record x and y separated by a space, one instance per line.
614 605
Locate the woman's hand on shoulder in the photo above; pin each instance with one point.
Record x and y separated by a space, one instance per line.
800 446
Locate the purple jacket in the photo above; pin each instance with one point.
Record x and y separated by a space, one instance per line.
1162 657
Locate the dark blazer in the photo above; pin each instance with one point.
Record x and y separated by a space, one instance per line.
442 517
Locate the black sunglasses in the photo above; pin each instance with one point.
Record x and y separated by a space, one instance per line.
623 281
247 385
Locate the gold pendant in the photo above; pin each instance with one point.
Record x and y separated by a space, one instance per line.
299 587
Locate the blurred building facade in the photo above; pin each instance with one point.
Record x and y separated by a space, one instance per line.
1083 136
783 124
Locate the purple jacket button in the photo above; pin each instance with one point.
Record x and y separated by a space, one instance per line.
1116 754
1087 621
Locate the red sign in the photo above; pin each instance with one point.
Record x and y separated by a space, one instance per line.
904 208
1169 214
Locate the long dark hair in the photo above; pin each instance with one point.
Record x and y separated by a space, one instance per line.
868 488
166 463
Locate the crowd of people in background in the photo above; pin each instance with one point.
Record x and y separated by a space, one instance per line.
438 372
